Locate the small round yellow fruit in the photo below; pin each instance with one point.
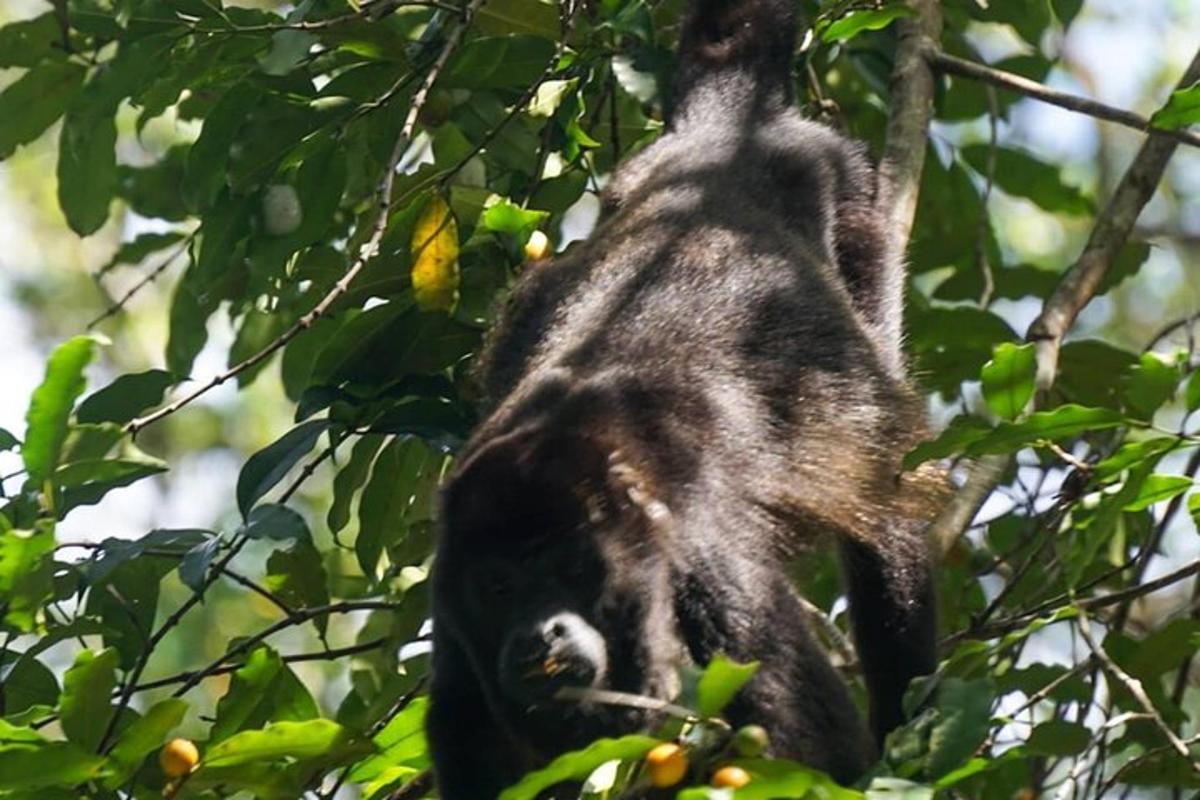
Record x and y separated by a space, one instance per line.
750 741
666 764
178 757
730 778
538 246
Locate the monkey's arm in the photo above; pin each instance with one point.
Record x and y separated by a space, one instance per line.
892 608
472 759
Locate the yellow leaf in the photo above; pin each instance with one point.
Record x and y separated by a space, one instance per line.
435 258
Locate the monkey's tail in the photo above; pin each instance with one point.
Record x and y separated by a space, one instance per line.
734 56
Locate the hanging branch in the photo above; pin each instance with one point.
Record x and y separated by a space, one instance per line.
1075 290
365 253
944 62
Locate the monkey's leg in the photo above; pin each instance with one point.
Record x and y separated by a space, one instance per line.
892 608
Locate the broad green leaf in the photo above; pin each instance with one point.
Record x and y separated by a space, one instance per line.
193 567
87 482
503 17
964 717
1133 453
1191 392
28 42
500 62
263 690
1008 379
720 681
1158 488
296 575
8 441
1060 738
267 467
29 763
142 737
777 778
114 552
126 397
1182 109
351 478
276 522
86 704
856 22
401 743
389 499
578 765
505 217
26 570
209 156
1061 423
35 101
1148 385
51 404
126 603
316 739
27 683
1022 175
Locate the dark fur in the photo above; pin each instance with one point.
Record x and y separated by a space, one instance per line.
710 380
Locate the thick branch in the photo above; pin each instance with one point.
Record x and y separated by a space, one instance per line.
912 87
953 65
1075 290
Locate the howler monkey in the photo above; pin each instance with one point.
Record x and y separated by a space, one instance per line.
712 378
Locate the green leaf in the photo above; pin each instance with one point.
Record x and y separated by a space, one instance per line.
276 522
28 42
856 22
1008 379
500 62
505 217
126 397
86 706
296 575
27 683
263 690
29 763
1063 422
87 482
26 570
1182 109
1022 175
193 567
1148 385
1191 392
1058 738
721 680
401 743
399 488
964 717
304 741
1133 453
267 467
32 104
578 765
962 432
533 17
351 478
126 603
51 404
208 158
142 737
1158 488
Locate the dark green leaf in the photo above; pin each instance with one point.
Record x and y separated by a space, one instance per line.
28 42
27 682
1158 488
51 404
1191 392
263 690
29 763
275 522
1008 379
351 478
962 432
208 159
533 17
399 488
126 397
193 567
137 250
126 603
86 707
35 101
1058 738
296 574
1020 174
501 62
964 715
1148 385
87 482
1062 423
268 466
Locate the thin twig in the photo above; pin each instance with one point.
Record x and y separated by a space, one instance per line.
1135 688
366 252
118 306
1024 86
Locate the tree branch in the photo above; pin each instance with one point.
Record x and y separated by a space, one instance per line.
365 253
944 62
912 90
1075 290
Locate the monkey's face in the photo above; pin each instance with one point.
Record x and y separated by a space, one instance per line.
548 587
